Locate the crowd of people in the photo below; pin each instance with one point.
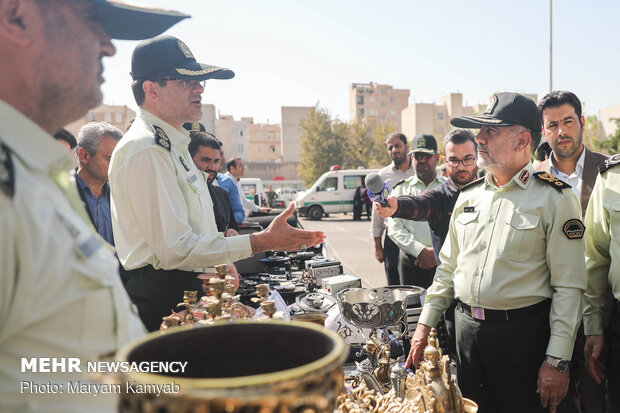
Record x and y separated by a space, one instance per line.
528 292
536 327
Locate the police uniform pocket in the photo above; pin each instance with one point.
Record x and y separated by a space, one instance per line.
521 235
614 222
466 227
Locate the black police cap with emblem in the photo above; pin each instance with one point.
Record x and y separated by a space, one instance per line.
168 57
423 143
194 126
505 109
134 22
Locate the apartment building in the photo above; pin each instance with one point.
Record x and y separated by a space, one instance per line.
375 104
291 131
119 116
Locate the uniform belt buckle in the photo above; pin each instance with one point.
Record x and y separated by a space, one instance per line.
477 313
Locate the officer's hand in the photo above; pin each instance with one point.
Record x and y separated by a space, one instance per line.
280 236
418 342
426 259
552 386
379 253
388 211
230 233
592 351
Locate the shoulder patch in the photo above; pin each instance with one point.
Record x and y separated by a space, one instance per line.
573 229
161 138
552 180
7 174
609 163
473 183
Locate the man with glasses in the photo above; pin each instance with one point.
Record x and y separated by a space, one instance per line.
435 205
162 212
416 263
512 260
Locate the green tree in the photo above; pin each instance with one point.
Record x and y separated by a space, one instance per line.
359 147
322 143
609 145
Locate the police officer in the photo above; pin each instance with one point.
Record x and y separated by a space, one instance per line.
416 262
513 261
60 293
603 269
162 213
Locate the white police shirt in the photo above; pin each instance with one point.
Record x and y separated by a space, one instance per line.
60 292
162 212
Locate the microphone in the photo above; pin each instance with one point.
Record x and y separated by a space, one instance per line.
377 189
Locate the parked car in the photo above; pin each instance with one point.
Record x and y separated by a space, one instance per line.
333 192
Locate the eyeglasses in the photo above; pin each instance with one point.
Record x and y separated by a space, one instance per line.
187 84
466 162
422 156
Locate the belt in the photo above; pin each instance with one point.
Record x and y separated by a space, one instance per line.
485 314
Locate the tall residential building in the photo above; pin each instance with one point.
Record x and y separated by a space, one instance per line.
291 131
208 117
606 116
119 116
233 134
433 119
377 104
263 141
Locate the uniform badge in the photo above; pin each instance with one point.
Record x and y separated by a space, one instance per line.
185 50
469 209
574 228
613 161
525 176
551 180
161 138
491 105
7 176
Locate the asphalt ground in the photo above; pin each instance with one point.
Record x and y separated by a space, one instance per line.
350 243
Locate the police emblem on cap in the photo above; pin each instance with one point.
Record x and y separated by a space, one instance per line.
185 50
422 142
195 126
491 105
574 228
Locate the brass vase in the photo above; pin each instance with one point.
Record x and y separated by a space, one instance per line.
240 366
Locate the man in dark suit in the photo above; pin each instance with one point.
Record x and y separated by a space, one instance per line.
573 163
205 151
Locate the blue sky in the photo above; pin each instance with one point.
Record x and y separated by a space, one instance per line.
294 53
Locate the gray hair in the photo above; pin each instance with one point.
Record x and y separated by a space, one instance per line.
89 135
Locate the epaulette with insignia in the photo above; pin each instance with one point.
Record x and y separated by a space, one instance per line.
609 163
7 175
552 180
161 138
398 183
473 183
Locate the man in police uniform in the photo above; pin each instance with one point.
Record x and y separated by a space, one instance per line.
416 262
162 213
60 293
513 261
603 270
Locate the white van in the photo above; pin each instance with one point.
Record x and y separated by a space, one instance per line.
253 189
332 193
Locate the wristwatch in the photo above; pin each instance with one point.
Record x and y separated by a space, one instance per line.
560 364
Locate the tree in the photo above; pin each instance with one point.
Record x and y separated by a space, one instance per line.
360 147
322 142
609 145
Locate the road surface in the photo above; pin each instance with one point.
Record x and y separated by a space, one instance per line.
350 243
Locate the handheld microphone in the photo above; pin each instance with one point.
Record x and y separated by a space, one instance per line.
378 190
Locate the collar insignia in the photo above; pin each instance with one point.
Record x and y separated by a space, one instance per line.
161 138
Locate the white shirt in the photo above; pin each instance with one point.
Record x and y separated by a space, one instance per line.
60 292
391 175
248 206
162 212
576 178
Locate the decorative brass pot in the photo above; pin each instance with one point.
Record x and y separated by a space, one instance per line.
240 366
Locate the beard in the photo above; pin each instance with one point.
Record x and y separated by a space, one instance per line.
209 179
